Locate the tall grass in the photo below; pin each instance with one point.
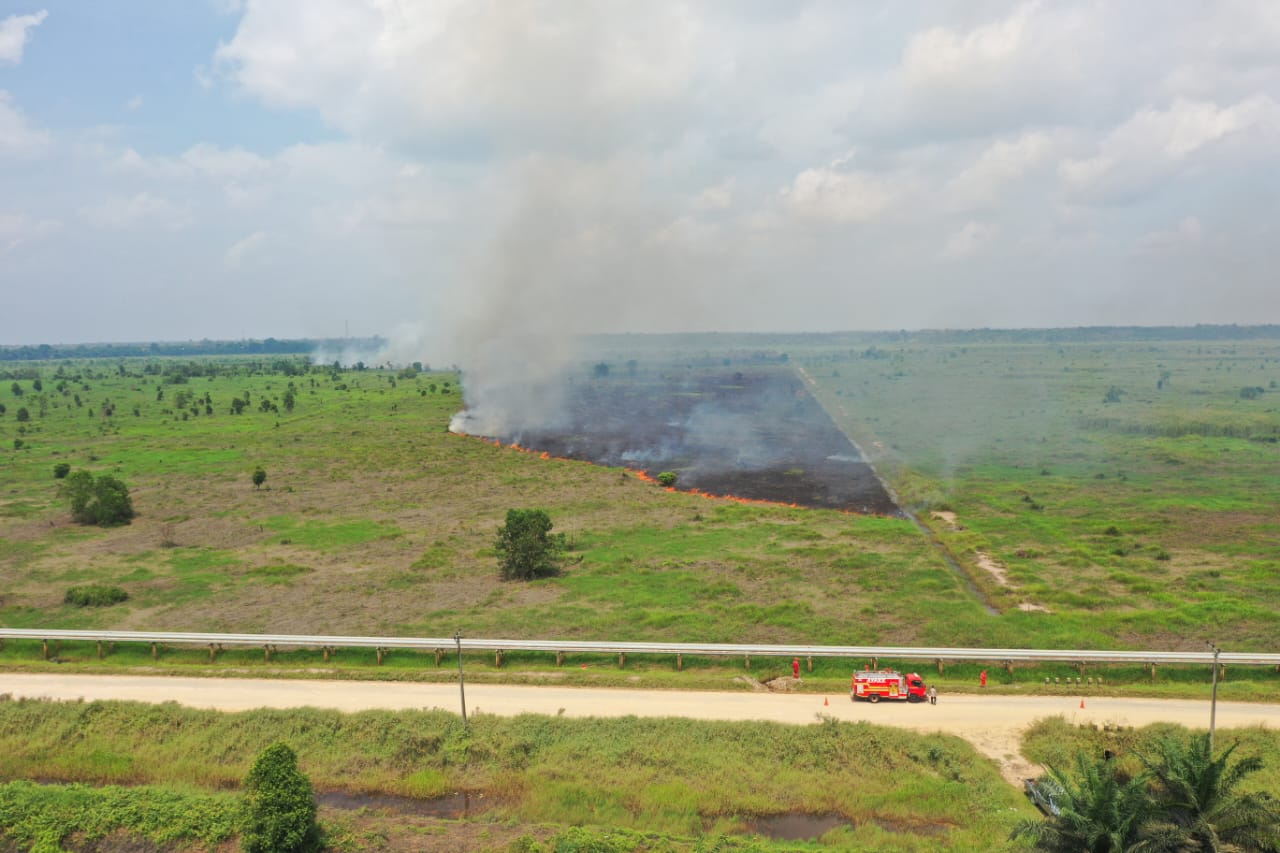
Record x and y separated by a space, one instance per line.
672 776
1054 741
381 509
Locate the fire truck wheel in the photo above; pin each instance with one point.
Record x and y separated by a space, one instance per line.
873 698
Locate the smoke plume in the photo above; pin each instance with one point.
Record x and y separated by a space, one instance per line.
584 249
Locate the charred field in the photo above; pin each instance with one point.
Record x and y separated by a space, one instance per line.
754 434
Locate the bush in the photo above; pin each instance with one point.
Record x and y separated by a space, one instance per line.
103 501
280 805
526 546
259 477
95 595
61 470
667 479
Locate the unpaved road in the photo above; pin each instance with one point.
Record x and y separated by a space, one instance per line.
993 723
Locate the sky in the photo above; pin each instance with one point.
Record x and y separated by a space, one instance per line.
461 176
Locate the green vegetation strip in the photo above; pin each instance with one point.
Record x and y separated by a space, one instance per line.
681 778
1056 742
42 818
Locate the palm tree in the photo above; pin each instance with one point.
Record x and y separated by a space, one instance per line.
1099 813
1199 793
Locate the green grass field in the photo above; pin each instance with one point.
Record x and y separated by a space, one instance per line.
1144 522
1102 493
679 779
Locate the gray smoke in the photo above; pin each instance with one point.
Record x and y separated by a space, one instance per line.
585 249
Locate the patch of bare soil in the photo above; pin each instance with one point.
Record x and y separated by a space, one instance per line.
1003 745
947 516
989 565
783 684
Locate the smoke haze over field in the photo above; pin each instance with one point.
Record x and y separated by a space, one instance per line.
480 180
583 249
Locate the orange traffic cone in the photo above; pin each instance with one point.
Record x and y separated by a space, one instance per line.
824 701
1081 701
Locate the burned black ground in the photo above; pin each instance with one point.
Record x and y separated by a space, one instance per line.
759 435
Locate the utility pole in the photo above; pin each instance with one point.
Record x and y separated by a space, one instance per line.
462 690
1213 701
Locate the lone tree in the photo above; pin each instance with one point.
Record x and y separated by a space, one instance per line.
526 546
259 477
103 501
281 807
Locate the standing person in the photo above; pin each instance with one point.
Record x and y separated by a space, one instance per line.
795 669
983 678
933 695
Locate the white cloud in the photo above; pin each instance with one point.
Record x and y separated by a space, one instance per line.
17 229
944 57
17 137
1030 64
14 35
970 239
235 255
1188 232
835 196
1154 144
507 72
1004 162
640 165
139 210
719 197
134 104
197 162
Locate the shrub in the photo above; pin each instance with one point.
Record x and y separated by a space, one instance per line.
61 470
23 414
667 479
103 501
526 546
95 595
259 477
280 805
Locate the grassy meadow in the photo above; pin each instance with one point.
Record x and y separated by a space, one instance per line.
1128 488
375 520
1100 493
674 781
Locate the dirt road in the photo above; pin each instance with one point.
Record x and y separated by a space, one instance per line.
993 723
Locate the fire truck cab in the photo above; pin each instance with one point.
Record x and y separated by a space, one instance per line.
874 685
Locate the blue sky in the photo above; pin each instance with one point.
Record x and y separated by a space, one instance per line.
455 175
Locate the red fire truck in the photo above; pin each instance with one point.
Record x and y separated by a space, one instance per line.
874 685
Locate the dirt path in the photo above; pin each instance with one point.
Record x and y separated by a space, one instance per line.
993 724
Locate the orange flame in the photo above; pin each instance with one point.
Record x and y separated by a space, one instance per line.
643 476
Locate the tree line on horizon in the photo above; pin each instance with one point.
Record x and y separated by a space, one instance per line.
205 347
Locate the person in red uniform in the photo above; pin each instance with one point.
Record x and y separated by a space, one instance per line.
795 668
983 678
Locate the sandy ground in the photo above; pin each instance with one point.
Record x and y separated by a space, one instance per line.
994 724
